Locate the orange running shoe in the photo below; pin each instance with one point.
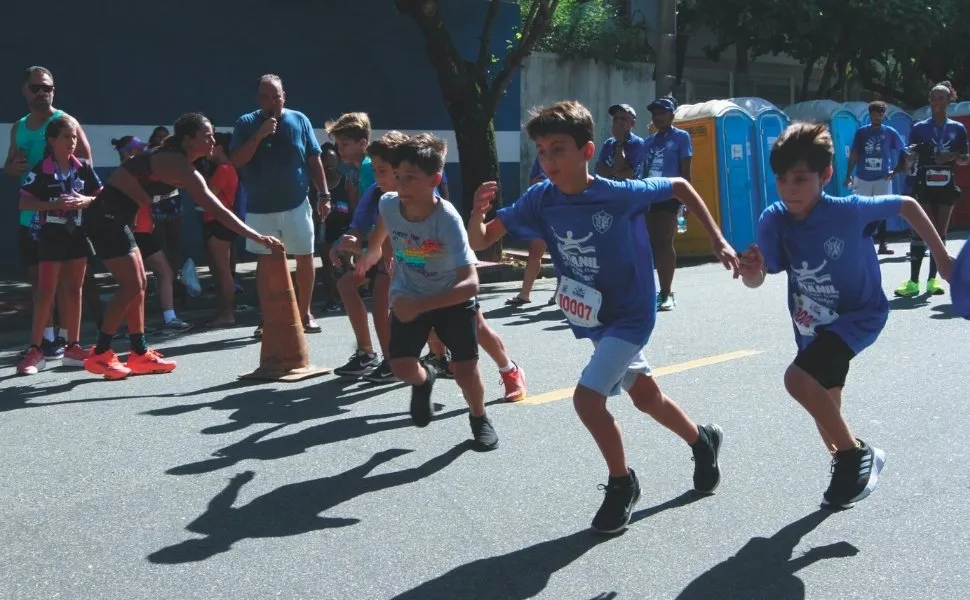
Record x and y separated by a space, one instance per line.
149 363
106 364
514 382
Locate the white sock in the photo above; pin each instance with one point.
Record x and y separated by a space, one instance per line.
507 368
49 334
168 315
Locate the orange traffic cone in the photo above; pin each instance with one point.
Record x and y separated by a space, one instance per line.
283 354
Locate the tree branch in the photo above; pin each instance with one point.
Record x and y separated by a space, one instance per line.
535 27
442 53
483 42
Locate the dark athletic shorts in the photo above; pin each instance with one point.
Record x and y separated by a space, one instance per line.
826 359
57 244
219 231
667 206
147 244
456 326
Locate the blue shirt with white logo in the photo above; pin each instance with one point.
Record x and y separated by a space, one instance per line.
834 281
632 148
599 239
878 150
663 152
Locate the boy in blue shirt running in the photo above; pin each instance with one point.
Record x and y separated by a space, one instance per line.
597 237
835 293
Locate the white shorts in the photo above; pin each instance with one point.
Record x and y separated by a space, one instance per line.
293 227
614 366
880 187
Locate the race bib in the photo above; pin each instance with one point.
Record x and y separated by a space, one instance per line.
873 164
655 173
809 315
157 199
579 302
938 177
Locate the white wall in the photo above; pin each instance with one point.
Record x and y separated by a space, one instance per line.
546 79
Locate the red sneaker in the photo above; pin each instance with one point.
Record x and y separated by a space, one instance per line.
514 382
149 363
106 364
32 362
74 356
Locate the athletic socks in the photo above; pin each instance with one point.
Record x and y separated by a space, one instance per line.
104 342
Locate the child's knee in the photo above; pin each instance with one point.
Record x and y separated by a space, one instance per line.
646 394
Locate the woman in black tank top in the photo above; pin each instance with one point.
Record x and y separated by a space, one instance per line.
142 180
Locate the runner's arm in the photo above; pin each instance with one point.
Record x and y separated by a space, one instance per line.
685 192
482 235
83 149
128 185
374 244
12 153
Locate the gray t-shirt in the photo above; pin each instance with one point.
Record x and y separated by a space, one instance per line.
426 253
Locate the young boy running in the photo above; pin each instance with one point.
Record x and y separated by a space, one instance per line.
835 293
595 231
351 133
434 285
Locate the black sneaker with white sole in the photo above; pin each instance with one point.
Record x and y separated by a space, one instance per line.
622 494
421 407
707 471
381 374
855 473
361 363
483 432
440 364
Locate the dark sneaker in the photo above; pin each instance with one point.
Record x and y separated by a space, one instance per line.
52 350
483 432
381 374
333 308
361 363
855 473
421 407
176 325
258 334
617 508
440 364
707 473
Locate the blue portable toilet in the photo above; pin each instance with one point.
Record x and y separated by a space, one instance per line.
902 122
722 134
769 123
842 123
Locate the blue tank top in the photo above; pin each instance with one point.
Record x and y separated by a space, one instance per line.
32 143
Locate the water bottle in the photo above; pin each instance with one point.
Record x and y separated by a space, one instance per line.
682 219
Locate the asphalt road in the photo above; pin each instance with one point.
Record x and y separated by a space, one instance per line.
196 485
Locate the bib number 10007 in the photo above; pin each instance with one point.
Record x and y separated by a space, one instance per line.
580 303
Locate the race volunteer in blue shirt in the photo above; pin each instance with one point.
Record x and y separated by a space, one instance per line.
621 156
277 154
667 153
876 150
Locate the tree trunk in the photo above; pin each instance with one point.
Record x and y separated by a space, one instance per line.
742 69
807 79
479 163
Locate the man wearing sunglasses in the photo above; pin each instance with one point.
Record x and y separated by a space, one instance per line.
27 144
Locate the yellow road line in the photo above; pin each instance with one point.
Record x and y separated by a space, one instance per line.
566 393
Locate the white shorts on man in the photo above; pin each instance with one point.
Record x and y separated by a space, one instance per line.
879 187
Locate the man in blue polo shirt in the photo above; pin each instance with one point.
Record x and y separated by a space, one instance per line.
277 154
622 155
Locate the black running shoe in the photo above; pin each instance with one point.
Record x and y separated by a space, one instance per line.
483 432
361 363
617 508
707 472
855 473
441 364
421 407
381 374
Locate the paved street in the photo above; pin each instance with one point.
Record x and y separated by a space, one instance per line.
196 485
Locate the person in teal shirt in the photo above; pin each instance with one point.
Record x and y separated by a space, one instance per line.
27 144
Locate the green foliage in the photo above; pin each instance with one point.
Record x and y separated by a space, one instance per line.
596 29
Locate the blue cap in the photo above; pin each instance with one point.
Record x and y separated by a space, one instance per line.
960 283
665 103
625 108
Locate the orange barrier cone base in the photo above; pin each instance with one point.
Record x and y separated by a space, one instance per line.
290 376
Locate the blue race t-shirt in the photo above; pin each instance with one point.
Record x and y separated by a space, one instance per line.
278 176
598 239
663 152
632 148
536 171
365 215
878 150
960 283
834 281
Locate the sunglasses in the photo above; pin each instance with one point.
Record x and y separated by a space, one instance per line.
36 88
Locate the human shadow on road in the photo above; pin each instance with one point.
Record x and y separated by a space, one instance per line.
944 312
197 348
910 303
523 573
256 448
18 397
764 567
292 509
282 405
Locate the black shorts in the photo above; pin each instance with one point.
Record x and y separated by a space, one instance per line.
111 240
147 244
57 244
219 231
826 359
335 226
667 206
456 326
29 247
937 196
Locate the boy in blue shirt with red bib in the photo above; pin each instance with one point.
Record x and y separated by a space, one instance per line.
835 293
595 231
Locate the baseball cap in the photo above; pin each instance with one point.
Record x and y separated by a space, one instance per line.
624 107
665 103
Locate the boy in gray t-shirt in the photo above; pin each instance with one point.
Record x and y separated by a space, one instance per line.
434 284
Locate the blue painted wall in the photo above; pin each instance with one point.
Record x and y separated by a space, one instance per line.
147 63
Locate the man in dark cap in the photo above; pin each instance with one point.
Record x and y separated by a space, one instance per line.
622 155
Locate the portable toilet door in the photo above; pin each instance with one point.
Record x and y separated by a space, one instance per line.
813 111
824 111
843 126
902 122
722 135
769 124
